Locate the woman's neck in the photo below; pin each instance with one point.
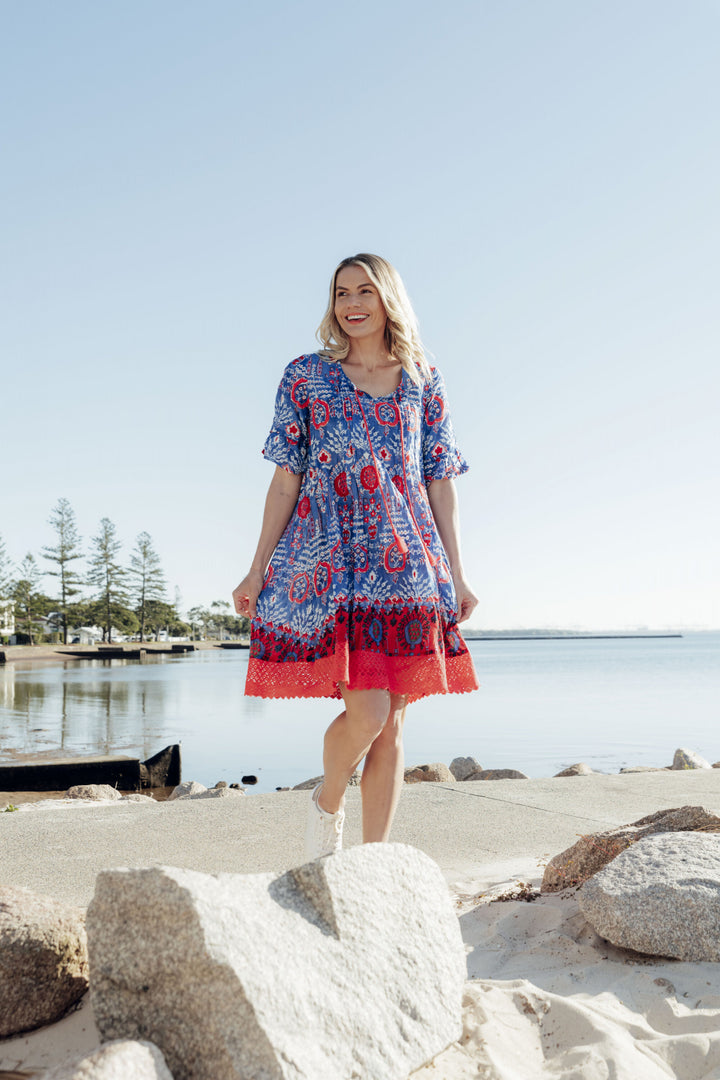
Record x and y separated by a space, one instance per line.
370 354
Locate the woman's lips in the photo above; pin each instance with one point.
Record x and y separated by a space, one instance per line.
356 318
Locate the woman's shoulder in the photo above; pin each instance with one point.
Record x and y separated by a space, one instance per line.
434 383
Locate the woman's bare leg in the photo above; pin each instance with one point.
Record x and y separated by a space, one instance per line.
383 774
348 740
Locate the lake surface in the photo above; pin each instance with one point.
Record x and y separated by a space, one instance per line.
542 705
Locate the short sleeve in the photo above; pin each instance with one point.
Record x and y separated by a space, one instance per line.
286 445
442 459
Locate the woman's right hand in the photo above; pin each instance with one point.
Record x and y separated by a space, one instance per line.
247 592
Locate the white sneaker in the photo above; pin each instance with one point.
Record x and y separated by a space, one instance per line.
324 831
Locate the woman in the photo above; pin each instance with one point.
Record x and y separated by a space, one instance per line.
357 584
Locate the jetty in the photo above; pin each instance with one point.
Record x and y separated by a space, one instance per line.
163 769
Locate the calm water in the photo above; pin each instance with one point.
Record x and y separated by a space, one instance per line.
542 705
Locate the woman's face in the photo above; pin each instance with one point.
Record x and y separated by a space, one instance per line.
358 307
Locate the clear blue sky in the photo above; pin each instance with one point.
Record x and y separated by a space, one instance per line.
179 180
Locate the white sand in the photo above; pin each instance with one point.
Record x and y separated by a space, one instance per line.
549 998
546 998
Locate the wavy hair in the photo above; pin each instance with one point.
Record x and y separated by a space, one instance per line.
402 337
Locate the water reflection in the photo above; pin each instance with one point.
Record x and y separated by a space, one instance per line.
84 706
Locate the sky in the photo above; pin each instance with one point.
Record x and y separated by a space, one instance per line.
180 179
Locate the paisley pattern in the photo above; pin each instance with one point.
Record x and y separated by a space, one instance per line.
358 589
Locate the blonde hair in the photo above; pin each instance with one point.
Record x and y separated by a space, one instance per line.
402 336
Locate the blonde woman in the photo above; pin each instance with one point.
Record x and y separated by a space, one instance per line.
357 584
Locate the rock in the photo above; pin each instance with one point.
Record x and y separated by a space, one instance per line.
135 796
214 793
661 896
643 768
308 785
188 787
43 960
121 1059
221 783
594 851
580 769
688 759
250 779
497 774
436 773
282 788
461 767
716 765
94 792
352 965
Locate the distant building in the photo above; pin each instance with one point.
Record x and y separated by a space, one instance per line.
7 618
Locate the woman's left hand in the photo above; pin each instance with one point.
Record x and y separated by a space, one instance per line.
467 601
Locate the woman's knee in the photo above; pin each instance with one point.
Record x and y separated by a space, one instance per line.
367 709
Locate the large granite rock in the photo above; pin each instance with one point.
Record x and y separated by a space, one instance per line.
191 789
688 759
43 960
592 852
580 768
437 773
309 785
184 790
350 966
118 1060
462 767
661 896
93 793
497 774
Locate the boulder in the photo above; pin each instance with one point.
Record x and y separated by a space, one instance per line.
93 792
497 774
661 896
214 793
643 768
121 1059
579 769
188 787
43 960
462 767
435 773
592 852
352 965
688 759
310 785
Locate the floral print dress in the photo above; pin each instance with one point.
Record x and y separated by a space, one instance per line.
358 589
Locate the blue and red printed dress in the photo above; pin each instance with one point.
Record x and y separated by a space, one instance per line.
358 590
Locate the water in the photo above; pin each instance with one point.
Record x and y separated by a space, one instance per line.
542 705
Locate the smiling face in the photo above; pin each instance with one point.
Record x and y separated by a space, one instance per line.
358 307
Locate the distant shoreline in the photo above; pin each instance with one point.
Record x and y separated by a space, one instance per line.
470 636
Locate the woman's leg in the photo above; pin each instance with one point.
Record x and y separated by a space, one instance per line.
383 774
348 740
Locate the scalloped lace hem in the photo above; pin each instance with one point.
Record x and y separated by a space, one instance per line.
414 676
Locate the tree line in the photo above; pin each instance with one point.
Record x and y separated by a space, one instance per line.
130 598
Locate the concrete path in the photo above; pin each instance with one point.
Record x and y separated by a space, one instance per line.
481 832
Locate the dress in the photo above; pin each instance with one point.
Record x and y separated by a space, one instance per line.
358 589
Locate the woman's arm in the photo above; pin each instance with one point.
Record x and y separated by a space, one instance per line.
281 500
444 505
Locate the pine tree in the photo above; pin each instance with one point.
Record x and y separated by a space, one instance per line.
64 554
149 579
107 575
28 602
